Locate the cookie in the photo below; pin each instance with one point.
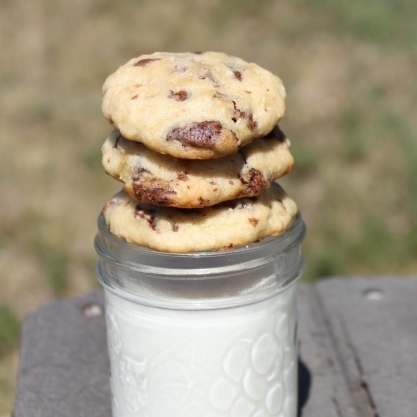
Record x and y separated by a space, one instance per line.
193 105
225 225
164 180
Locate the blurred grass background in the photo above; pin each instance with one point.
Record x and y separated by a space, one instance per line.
350 72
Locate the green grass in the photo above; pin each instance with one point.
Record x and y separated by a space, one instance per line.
54 261
236 9
9 330
385 22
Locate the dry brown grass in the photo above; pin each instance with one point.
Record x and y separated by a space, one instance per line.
352 98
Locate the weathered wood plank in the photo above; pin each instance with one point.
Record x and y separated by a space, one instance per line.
322 386
373 326
64 368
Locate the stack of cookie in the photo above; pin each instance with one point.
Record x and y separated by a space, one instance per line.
198 148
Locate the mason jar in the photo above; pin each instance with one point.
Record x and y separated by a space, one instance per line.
203 334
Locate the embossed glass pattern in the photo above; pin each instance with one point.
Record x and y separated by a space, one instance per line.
210 334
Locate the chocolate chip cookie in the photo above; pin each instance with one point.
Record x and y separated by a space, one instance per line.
193 105
225 225
153 178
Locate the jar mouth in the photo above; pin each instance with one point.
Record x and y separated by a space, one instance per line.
199 280
206 263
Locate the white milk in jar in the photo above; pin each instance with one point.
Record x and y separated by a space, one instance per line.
209 334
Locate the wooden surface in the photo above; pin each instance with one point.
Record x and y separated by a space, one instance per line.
358 353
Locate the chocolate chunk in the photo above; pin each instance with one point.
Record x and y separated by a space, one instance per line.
199 134
149 216
237 113
253 221
255 181
146 61
139 171
134 97
159 196
238 75
178 95
240 114
198 52
252 124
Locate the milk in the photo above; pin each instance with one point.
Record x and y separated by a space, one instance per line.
231 362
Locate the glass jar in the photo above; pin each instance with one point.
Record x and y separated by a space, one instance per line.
204 334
